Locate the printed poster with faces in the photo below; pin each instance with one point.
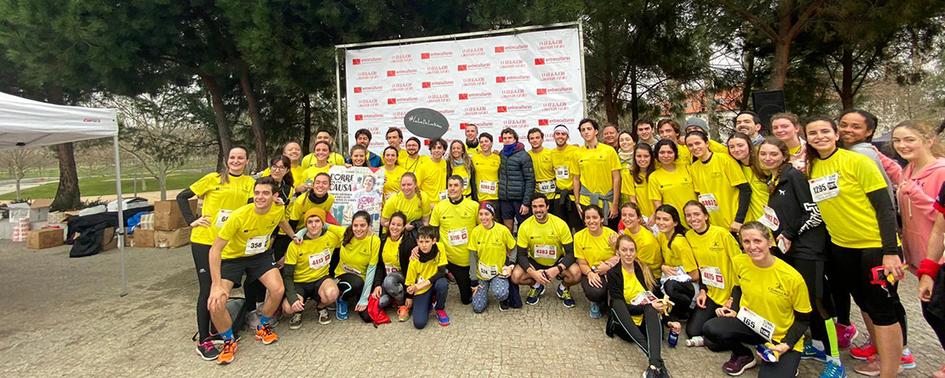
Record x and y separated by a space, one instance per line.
355 189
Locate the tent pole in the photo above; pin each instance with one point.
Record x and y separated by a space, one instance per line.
121 218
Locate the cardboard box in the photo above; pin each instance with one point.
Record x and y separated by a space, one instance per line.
109 240
167 216
144 238
172 239
36 211
45 238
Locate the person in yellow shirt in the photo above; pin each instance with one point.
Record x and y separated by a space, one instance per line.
333 158
671 183
545 182
648 248
222 192
561 158
413 160
698 124
239 250
719 182
293 151
396 247
625 152
306 271
317 196
432 173
426 279
669 130
320 163
392 173
787 128
640 171
634 314
472 140
596 173
395 138
357 266
456 218
746 155
545 251
713 247
769 308
486 164
460 165
408 201
491 259
679 274
594 252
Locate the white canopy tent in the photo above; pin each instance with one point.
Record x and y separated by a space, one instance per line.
27 123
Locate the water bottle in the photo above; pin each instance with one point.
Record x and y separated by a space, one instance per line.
673 339
766 353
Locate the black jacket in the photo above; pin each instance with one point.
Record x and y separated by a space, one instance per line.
800 217
516 176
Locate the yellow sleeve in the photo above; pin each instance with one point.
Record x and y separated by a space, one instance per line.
441 257
435 216
800 297
205 183
425 209
734 173
230 228
522 237
509 240
389 209
375 250
653 188
292 254
731 245
411 273
338 231
685 253
613 160
307 161
474 239
575 168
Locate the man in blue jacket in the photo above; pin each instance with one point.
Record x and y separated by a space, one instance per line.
516 180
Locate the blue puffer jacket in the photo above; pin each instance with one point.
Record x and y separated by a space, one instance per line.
516 175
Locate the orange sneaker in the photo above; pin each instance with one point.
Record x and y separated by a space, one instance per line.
403 313
265 334
227 353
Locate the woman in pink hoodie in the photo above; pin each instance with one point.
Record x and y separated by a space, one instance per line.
916 142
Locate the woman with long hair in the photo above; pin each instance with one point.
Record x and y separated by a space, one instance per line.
459 164
741 149
396 247
625 152
643 166
392 172
593 249
720 183
357 265
679 273
671 184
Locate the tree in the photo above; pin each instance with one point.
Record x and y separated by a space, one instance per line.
20 161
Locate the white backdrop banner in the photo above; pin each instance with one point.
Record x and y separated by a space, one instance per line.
521 81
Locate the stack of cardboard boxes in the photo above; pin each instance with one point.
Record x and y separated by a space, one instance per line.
169 230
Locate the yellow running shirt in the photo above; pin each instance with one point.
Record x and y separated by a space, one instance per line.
402 157
595 167
718 147
413 208
715 181
648 249
544 242
679 254
418 272
683 156
392 181
309 174
773 293
631 289
642 192
358 255
461 171
593 249
219 201
312 257
714 251
390 254
303 203
759 194
334 158
413 165
839 185
248 233
432 180
626 182
561 160
491 247
487 175
545 181
455 223
672 188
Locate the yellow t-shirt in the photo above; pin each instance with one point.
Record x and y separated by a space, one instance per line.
648 249
248 233
487 175
561 161
402 157
631 289
334 158
774 293
219 201
455 223
593 249
309 174
759 195
683 156
717 147
672 188
303 203
545 181
849 215
679 254
392 180
422 271
491 247
358 255
296 171
461 171
595 167
642 192
432 179
413 208
715 181
714 251
312 257
390 254
413 165
545 242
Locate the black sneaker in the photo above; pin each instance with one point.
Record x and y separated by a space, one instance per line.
207 351
652 372
504 305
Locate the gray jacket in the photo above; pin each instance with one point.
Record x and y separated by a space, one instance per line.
516 176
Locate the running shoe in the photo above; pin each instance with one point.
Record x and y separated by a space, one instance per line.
652 372
560 291
504 305
403 313
871 368
227 353
695 341
296 321
832 370
863 352
846 335
738 364
341 310
323 316
568 300
812 353
265 334
595 311
907 361
442 318
207 351
534 294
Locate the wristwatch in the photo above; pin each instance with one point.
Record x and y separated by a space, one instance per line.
594 269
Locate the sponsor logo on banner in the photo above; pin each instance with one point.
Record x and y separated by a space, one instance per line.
402 58
543 122
511 63
474 51
554 106
474 81
551 44
438 98
366 60
436 55
438 69
501 109
437 84
552 60
554 76
541 91
369 88
509 48
367 117
475 110
511 79
475 95
562 121
518 108
474 67
368 103
402 100
513 93
404 72
398 87
559 90
367 75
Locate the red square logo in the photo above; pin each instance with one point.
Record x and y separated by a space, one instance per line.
391 73
426 142
357 89
461 67
539 61
424 55
358 117
462 126
500 79
391 101
500 49
542 91
355 61
501 109
463 96
425 84
542 122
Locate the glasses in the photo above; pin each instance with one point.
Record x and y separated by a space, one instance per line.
278 168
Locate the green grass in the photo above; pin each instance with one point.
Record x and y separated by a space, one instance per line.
105 185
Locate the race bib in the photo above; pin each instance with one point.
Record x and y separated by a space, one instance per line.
465 183
757 323
319 260
643 298
443 196
488 187
544 251
708 200
349 269
770 219
547 186
825 187
390 269
222 216
562 172
257 245
712 276
488 271
458 237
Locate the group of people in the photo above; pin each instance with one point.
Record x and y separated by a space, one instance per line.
755 244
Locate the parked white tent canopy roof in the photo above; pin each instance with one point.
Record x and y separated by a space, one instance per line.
27 123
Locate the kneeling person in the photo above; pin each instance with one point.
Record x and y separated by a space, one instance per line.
545 251
426 273
491 255
306 272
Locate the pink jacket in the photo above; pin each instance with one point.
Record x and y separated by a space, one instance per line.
916 198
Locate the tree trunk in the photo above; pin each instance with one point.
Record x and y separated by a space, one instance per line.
67 194
162 182
18 179
634 101
224 134
749 58
780 65
307 124
259 135
846 80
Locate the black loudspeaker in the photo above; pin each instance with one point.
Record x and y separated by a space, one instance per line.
768 104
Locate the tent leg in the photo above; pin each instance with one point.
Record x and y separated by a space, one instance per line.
121 218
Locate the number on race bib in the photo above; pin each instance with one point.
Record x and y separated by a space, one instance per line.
257 245
825 187
712 276
487 271
458 237
443 196
643 298
544 251
562 173
547 186
488 187
350 269
770 219
760 325
319 260
222 216
709 201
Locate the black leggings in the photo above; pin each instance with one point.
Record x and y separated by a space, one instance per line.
813 273
648 335
696 324
350 285
683 295
461 275
201 253
731 334
880 303
839 293
595 294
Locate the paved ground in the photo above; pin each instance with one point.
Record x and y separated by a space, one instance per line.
64 317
